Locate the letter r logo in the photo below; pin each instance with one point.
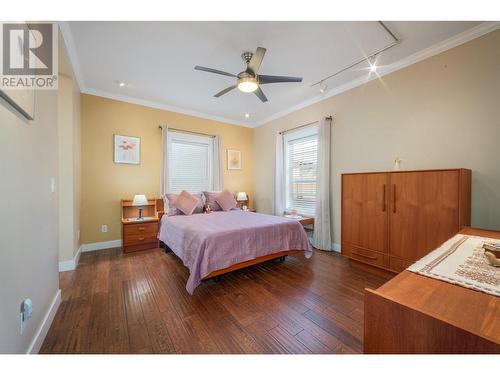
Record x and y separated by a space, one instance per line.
27 49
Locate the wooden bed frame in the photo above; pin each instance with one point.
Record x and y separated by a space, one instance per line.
281 255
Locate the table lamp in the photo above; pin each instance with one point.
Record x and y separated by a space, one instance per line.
140 201
241 197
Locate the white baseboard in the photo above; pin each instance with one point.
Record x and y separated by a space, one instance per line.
70 265
37 342
101 245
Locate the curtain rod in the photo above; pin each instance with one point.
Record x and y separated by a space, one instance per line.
189 131
302 126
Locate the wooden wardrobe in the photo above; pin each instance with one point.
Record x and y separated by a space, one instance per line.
392 219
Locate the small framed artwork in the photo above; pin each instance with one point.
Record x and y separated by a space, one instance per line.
233 159
127 149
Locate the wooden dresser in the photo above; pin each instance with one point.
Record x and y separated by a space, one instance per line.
140 235
417 314
392 219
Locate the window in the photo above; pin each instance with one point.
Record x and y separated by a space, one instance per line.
190 165
301 157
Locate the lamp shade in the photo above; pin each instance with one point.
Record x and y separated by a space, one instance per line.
241 196
140 200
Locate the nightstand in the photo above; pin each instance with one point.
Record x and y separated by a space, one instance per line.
307 223
139 234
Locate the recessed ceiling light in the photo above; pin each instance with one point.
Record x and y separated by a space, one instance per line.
373 68
120 83
247 115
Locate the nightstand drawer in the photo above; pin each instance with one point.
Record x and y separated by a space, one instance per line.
140 228
137 239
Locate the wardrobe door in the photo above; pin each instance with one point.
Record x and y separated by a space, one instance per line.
364 211
423 210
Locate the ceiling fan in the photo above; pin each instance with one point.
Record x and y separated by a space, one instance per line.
249 80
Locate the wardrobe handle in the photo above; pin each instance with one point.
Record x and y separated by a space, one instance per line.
383 199
394 198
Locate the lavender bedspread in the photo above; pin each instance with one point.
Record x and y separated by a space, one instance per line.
206 243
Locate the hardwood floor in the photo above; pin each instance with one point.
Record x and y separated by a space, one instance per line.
137 303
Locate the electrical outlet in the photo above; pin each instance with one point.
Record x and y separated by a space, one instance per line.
26 311
104 228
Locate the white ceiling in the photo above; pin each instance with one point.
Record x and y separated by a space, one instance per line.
156 60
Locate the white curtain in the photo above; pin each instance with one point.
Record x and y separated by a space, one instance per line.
218 175
322 237
164 183
279 193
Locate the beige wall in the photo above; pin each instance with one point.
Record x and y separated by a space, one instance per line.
28 219
69 157
441 112
104 183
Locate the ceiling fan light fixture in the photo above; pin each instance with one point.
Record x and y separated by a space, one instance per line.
247 84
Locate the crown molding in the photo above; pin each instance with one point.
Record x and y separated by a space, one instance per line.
67 36
162 106
75 65
442 46
437 48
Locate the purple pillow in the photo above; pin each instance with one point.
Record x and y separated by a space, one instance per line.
172 210
210 197
186 202
226 200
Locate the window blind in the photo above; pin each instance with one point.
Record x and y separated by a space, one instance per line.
301 156
190 163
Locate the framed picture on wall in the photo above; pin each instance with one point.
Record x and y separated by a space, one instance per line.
127 149
233 159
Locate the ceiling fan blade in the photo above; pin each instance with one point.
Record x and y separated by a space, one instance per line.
225 91
261 95
263 79
210 70
256 60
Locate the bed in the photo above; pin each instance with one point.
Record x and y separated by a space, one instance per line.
213 244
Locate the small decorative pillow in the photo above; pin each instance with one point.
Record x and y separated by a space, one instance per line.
186 202
226 200
173 210
210 198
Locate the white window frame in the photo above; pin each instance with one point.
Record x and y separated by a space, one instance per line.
292 135
179 137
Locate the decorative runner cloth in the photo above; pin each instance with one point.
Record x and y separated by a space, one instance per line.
461 260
